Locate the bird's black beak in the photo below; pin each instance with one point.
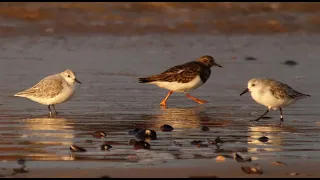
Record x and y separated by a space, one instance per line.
76 80
215 64
245 91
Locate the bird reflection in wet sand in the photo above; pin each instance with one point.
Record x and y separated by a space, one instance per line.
274 142
194 117
180 117
41 134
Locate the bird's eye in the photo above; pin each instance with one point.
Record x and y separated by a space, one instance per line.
253 85
68 75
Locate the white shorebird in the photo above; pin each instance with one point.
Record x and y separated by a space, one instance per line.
272 94
184 77
54 89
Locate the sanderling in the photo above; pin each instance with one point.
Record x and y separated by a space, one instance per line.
54 89
272 94
184 77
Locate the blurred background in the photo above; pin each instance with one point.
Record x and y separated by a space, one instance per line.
159 17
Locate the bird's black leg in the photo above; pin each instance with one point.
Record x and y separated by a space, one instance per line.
261 115
55 112
50 113
281 117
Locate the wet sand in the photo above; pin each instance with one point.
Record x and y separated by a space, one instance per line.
182 169
111 100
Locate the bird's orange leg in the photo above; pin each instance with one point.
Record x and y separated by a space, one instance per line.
163 102
196 99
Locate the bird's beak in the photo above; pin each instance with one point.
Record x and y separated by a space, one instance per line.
76 80
215 64
245 91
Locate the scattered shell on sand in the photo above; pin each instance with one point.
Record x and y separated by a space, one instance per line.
252 169
75 148
239 158
220 159
279 163
99 134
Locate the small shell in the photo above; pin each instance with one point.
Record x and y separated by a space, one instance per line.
279 163
293 174
75 148
252 170
99 134
146 133
239 158
105 147
220 158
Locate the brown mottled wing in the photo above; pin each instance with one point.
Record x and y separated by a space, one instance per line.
283 91
183 73
47 88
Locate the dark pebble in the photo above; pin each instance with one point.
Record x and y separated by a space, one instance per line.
166 128
205 128
99 134
196 142
263 139
21 161
75 148
290 63
141 145
145 134
105 147
250 58
133 132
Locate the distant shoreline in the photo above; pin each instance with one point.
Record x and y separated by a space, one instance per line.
148 18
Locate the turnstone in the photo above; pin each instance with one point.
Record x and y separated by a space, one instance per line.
184 77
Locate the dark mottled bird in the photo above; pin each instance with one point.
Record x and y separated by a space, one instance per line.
184 77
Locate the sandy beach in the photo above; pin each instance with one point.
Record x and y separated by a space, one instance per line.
182 169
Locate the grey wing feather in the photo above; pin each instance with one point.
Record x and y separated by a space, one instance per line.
48 87
283 91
